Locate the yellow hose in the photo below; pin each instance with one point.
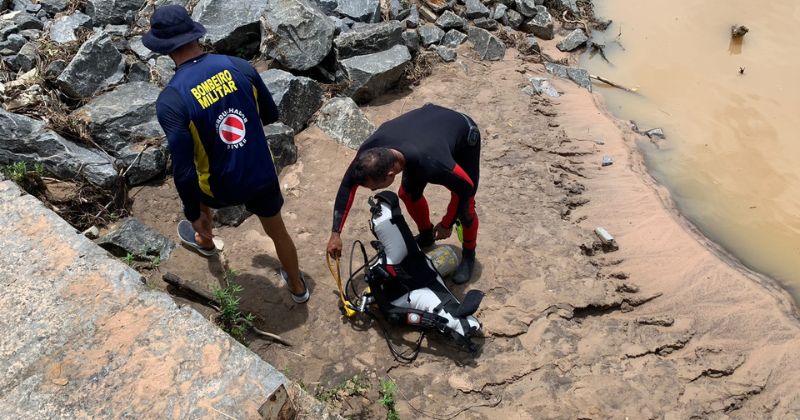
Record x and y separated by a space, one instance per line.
337 275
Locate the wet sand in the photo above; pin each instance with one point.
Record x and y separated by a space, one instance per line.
667 326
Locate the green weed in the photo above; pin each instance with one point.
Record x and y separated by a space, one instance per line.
129 259
388 387
356 385
28 180
231 319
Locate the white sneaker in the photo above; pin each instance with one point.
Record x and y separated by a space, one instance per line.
297 298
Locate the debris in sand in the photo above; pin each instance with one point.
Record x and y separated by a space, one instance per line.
738 31
607 161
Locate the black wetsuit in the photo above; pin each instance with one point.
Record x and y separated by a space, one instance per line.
442 147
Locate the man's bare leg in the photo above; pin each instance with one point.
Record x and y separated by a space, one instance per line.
287 253
203 228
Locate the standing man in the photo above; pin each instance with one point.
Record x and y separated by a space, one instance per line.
432 145
212 112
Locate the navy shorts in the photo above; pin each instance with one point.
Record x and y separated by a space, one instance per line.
264 203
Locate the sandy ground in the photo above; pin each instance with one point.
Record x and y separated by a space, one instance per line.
667 326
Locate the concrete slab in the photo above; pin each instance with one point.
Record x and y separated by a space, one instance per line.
80 336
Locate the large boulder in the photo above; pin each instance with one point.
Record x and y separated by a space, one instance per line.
27 140
233 25
579 76
132 237
63 28
342 120
122 116
573 40
368 39
280 138
297 97
143 163
115 12
372 74
360 10
296 33
96 66
541 24
488 46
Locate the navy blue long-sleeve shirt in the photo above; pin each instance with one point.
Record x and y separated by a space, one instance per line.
212 112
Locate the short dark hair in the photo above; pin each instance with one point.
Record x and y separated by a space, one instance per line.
373 164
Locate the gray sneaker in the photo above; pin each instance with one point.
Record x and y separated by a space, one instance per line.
303 298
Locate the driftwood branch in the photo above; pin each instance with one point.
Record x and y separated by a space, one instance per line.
616 85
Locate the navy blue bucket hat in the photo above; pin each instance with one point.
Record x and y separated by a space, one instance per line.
171 27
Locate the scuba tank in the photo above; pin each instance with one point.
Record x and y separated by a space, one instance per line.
444 259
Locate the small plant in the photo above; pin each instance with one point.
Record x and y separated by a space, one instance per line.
129 259
231 318
356 385
155 262
388 387
28 180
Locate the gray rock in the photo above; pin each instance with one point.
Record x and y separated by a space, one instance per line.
453 38
430 34
296 34
96 66
280 138
542 86
233 25
13 43
297 98
63 28
342 120
138 48
54 6
371 75
138 72
485 23
526 8
540 25
450 20
28 140
488 46
579 76
571 5
231 216
499 12
340 26
573 40
33 8
134 237
412 21
26 59
150 164
476 9
117 30
31 34
514 19
360 10
122 116
115 12
368 39
447 54
54 69
26 21
396 10
164 69
530 46
656 133
411 40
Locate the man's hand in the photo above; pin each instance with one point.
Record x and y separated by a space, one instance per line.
442 232
335 245
202 227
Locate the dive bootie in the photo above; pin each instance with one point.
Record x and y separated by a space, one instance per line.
465 267
425 239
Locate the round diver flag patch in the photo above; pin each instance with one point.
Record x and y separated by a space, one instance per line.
232 130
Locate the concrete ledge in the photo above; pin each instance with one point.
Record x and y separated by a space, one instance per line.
82 337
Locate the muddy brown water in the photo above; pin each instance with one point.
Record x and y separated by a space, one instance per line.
729 111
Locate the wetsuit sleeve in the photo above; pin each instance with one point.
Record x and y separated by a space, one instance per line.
461 187
172 116
344 200
266 105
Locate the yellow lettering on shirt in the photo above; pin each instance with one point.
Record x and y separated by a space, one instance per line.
216 87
